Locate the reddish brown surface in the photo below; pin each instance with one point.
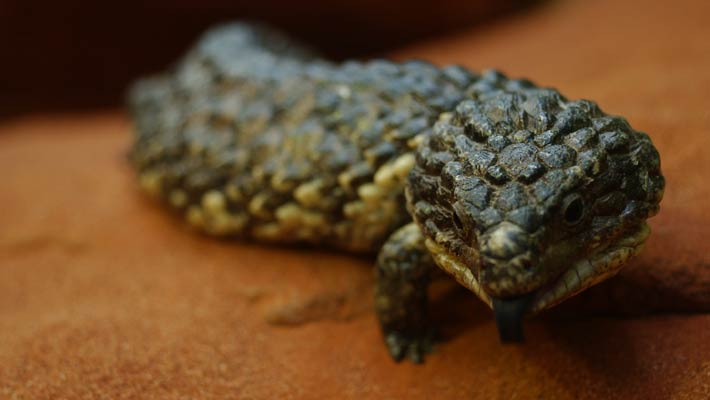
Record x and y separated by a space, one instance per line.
103 295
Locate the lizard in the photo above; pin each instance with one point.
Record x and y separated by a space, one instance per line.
522 196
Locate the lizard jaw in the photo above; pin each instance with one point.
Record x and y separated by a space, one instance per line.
604 263
458 270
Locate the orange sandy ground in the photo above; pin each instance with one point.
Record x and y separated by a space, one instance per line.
104 295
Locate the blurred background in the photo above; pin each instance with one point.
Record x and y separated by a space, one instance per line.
102 295
74 54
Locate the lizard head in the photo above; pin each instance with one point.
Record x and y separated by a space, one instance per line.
527 198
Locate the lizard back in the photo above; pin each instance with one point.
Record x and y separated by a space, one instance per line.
252 134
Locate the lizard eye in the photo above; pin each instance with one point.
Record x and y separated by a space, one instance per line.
573 210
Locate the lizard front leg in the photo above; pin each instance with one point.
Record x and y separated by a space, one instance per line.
404 269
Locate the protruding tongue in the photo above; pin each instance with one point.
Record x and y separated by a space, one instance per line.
509 317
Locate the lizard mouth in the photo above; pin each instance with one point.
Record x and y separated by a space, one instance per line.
601 265
604 263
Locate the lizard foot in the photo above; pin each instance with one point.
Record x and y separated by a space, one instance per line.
414 347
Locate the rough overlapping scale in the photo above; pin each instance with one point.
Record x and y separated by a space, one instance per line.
514 187
528 150
252 134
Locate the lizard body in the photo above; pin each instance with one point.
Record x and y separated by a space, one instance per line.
524 197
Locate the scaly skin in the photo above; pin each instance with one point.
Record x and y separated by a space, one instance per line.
513 190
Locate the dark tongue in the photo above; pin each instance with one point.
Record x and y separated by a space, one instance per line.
509 317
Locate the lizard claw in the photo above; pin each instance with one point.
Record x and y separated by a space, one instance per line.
414 347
